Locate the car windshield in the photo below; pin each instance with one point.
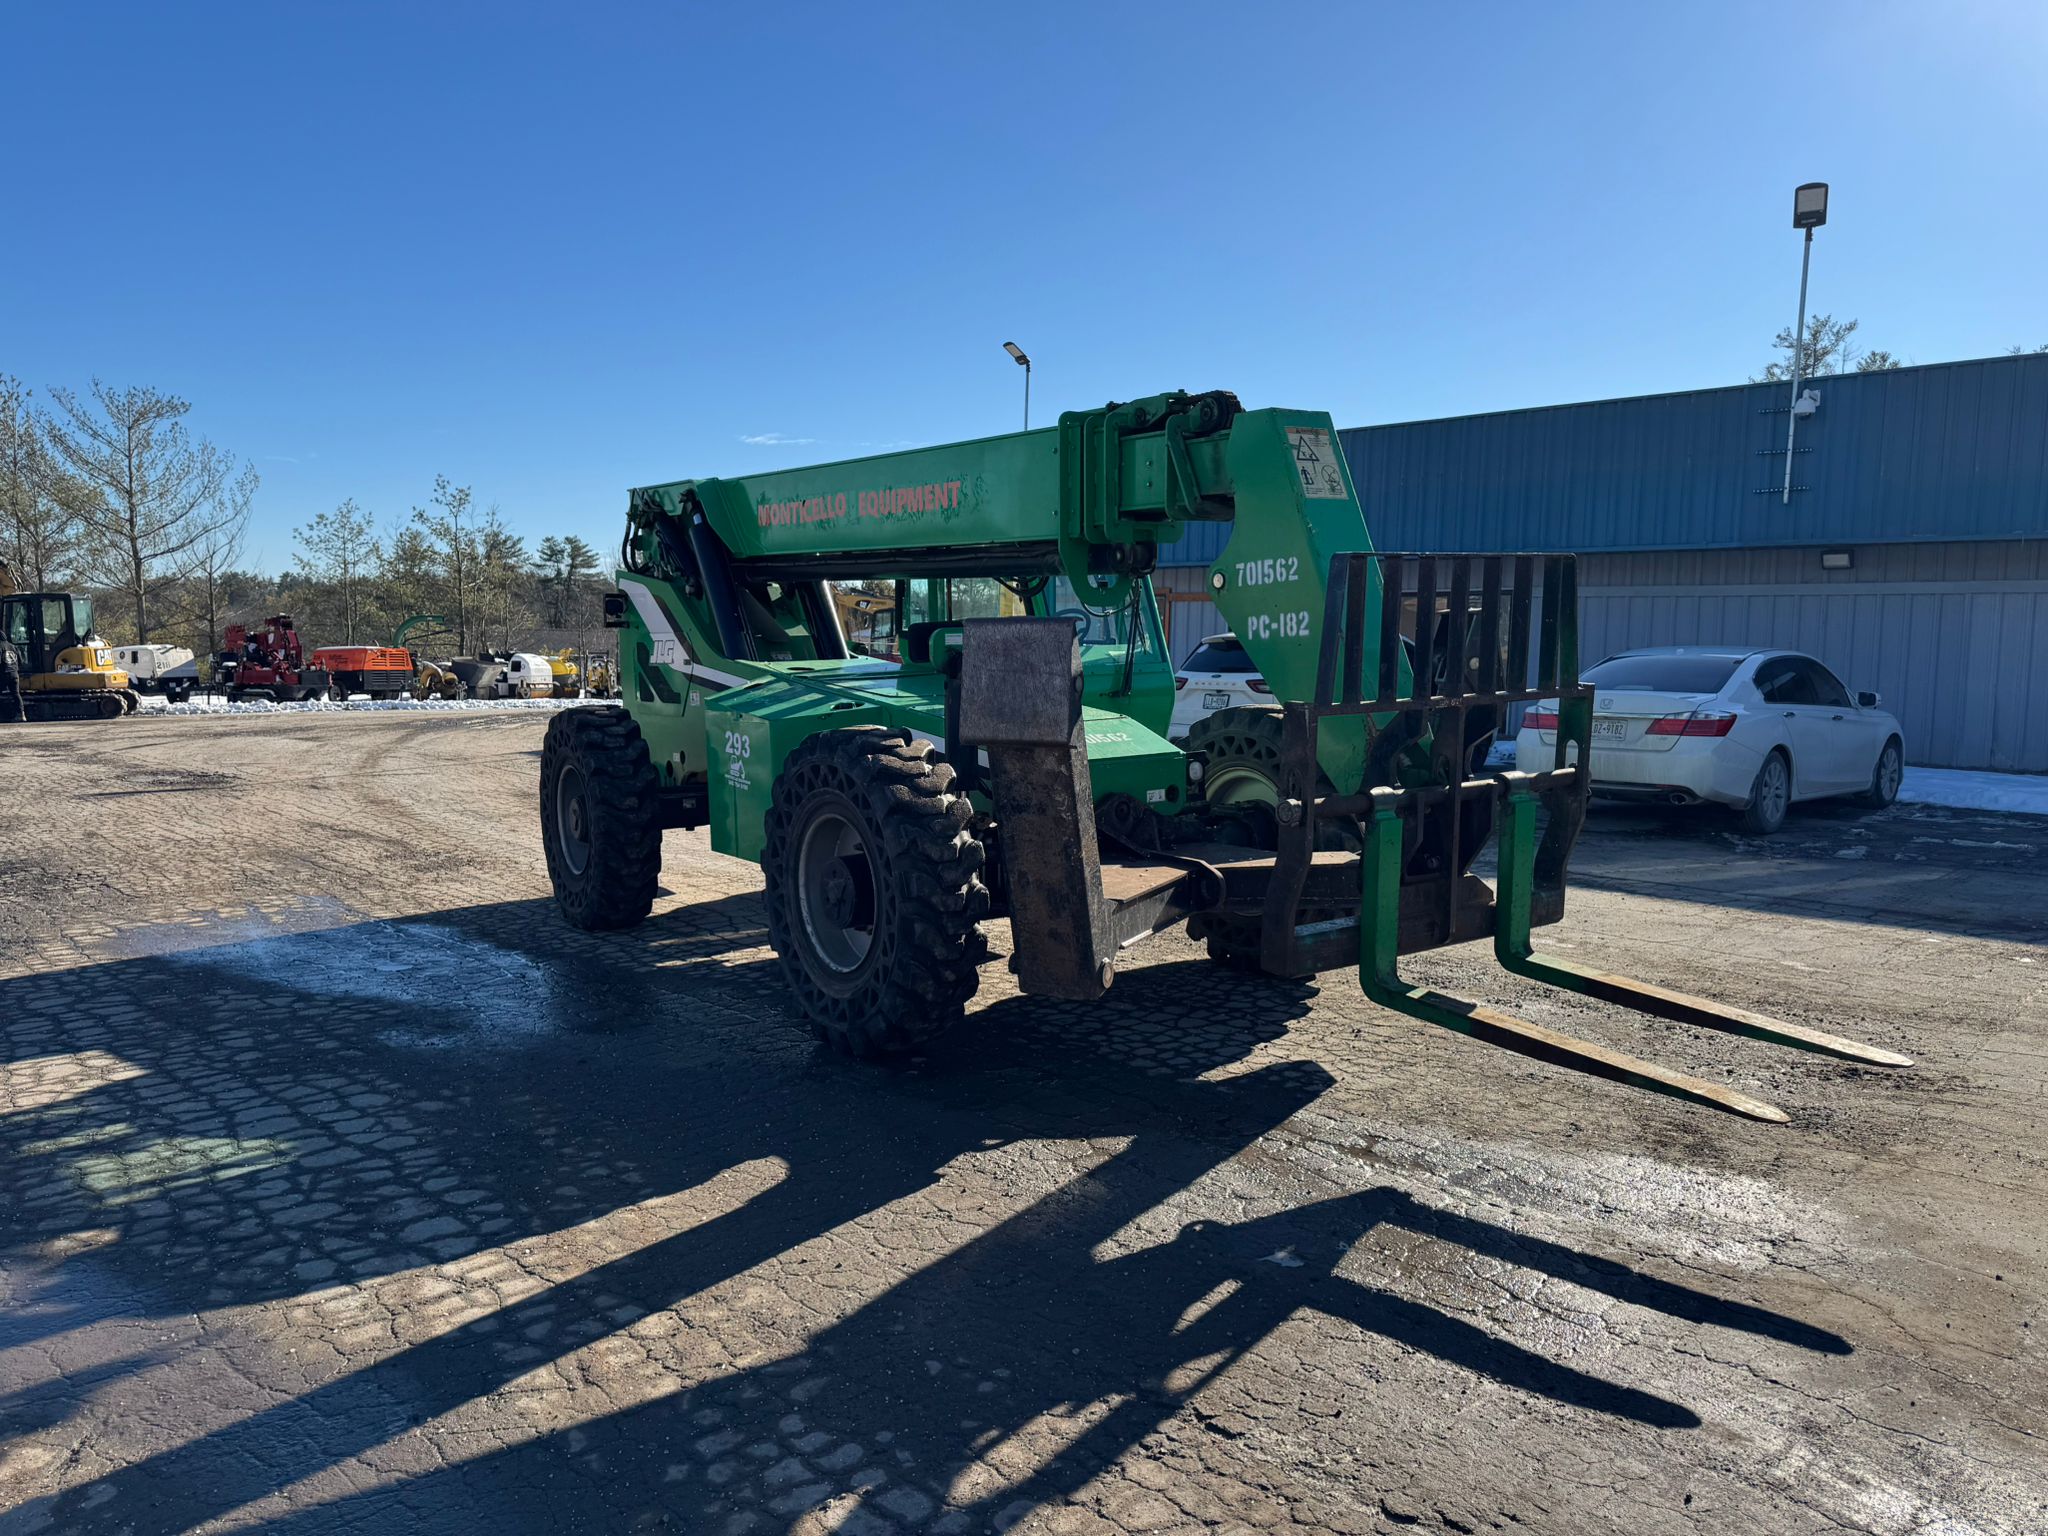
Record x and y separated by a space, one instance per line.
1664 674
1218 656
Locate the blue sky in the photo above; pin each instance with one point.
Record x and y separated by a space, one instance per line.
557 251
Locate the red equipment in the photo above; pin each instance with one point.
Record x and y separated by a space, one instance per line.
381 671
268 661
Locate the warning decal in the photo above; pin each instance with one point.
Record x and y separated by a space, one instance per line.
1315 461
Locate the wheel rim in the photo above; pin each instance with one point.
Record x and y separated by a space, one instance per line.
835 885
1241 784
1889 773
1772 794
572 818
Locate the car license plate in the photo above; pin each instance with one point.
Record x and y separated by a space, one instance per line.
1614 728
1215 701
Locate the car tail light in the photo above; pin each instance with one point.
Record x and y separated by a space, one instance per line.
1179 683
1539 720
1700 724
1257 685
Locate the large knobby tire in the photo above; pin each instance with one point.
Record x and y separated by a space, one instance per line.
1243 769
874 889
1770 796
600 818
1886 777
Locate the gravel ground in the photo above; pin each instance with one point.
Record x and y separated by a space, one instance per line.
348 1190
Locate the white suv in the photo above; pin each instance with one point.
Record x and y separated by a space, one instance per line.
1217 675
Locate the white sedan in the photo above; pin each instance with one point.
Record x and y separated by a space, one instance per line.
1753 730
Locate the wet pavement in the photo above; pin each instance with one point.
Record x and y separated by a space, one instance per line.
348 1190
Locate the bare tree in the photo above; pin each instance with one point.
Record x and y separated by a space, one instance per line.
454 541
501 561
158 495
39 525
208 578
408 576
1828 349
342 550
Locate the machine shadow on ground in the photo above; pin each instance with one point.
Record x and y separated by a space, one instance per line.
317 1110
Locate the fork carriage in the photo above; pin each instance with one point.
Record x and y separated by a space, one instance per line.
1392 855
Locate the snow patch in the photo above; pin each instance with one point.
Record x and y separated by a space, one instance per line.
212 704
1969 789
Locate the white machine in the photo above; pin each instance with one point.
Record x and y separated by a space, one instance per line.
169 670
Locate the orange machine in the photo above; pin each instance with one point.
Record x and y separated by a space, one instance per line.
381 671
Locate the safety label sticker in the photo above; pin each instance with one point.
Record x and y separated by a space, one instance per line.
1315 460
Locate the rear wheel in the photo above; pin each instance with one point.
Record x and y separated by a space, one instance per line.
599 818
1769 797
1886 777
874 889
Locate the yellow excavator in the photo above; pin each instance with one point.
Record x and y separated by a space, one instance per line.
52 665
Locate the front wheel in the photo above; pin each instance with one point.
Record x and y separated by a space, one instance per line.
1769 797
599 818
1886 777
1242 748
874 889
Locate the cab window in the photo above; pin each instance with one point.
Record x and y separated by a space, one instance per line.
1100 625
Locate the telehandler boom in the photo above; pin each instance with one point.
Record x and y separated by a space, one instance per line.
1012 761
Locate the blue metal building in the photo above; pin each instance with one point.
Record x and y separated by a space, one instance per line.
1931 483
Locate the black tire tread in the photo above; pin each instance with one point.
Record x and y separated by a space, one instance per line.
1873 796
932 864
1749 820
617 890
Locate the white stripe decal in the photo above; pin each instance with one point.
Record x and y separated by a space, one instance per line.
670 650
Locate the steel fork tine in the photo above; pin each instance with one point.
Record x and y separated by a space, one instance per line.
1513 948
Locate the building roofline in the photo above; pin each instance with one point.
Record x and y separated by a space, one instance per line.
2018 360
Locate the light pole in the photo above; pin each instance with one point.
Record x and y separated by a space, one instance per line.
1809 212
1017 356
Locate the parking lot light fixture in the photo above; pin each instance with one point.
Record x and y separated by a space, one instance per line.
1017 356
1809 212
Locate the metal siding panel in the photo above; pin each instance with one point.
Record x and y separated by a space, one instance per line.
2013 698
2032 687
1975 683
1944 452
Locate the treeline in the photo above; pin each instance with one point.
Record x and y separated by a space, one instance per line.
108 493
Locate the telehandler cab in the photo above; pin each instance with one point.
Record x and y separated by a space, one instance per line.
1013 762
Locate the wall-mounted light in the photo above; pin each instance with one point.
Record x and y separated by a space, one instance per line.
1835 560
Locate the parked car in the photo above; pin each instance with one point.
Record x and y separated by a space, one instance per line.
1752 730
1218 674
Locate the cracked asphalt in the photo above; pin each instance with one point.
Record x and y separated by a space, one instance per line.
348 1190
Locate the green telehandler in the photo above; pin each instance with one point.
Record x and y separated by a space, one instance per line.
1012 760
